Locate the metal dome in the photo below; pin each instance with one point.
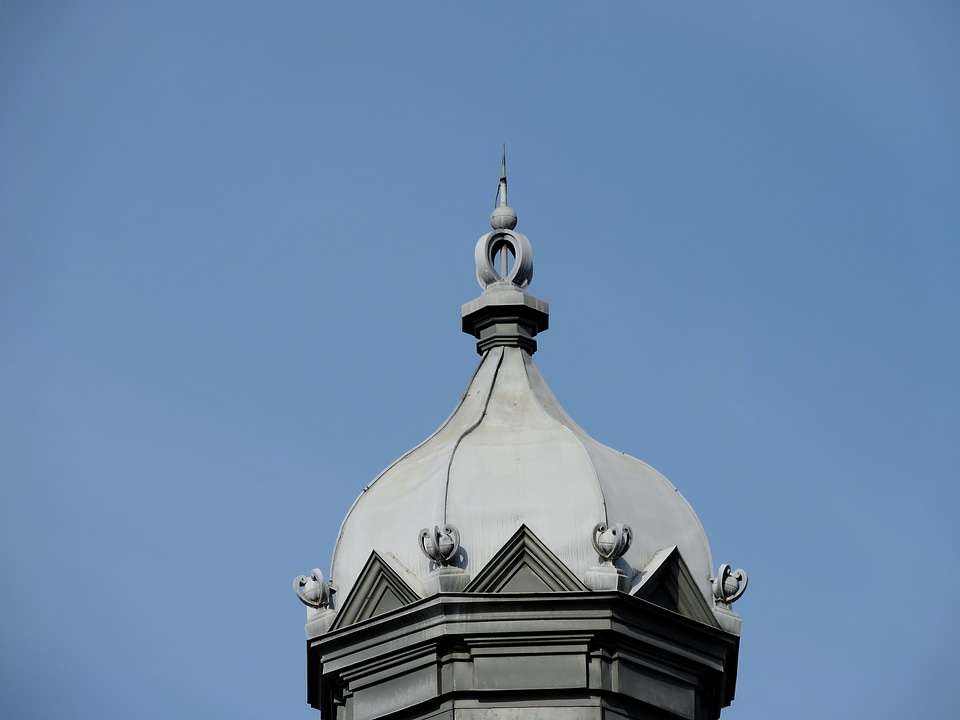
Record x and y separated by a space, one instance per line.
509 455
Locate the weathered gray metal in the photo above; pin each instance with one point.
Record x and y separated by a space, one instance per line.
530 590
508 455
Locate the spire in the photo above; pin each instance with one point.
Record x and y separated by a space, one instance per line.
502 190
503 217
504 314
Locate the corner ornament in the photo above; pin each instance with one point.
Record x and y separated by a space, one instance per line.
611 542
313 591
729 585
441 546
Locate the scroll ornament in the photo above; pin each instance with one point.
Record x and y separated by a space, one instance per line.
611 542
313 591
440 545
729 585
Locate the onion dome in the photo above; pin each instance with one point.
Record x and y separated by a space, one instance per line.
509 456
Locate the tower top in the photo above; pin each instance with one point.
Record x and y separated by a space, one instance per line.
551 572
509 454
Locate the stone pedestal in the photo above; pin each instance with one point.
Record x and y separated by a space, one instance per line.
607 577
445 580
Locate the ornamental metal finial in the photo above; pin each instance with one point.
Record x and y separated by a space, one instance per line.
441 546
313 591
504 315
611 542
503 216
505 242
729 586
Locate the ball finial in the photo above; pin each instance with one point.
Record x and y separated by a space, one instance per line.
503 217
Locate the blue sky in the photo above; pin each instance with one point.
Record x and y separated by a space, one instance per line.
235 238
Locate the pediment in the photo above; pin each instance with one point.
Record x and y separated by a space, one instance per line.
384 584
667 581
525 564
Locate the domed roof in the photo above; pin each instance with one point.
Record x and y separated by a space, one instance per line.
509 455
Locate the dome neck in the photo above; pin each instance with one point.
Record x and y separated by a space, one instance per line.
505 316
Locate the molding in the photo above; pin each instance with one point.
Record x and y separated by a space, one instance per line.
510 651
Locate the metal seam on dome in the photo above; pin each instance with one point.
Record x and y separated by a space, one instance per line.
583 448
469 430
388 468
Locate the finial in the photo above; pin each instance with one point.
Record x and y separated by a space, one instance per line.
728 585
313 591
502 189
441 546
503 217
317 594
503 241
504 315
611 541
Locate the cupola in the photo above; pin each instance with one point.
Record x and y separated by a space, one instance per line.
511 500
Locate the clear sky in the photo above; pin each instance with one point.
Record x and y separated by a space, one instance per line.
234 242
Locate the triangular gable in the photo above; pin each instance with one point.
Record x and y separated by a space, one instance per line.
524 564
384 584
667 581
